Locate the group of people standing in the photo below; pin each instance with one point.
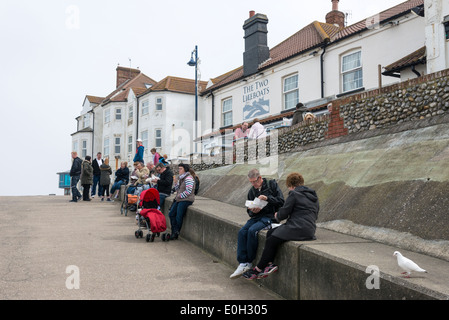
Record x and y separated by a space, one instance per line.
95 173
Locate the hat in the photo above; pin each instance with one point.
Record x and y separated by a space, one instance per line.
139 140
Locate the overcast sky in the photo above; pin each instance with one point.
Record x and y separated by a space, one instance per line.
55 52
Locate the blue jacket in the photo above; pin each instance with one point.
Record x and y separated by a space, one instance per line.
139 154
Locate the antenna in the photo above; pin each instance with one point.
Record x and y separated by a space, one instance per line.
348 15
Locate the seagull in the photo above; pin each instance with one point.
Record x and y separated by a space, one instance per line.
407 264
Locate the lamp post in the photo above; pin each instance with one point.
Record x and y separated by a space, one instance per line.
194 62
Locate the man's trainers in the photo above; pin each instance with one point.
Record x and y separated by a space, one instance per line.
252 274
242 268
271 268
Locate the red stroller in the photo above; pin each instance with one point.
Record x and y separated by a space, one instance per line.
150 218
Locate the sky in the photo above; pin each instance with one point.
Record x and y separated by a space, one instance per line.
55 52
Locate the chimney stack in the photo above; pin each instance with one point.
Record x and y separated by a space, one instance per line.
124 74
256 45
336 17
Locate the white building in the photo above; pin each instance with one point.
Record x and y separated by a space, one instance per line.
159 113
319 63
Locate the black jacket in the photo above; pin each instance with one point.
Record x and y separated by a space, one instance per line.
122 174
301 211
75 170
274 195
96 167
164 185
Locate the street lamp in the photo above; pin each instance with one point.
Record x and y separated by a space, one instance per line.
194 63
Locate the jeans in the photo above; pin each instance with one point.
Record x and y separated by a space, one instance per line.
94 186
75 192
248 241
162 200
116 186
176 214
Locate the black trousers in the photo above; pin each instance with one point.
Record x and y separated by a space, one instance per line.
86 188
269 251
105 189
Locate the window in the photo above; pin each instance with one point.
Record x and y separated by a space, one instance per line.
144 135
117 145
130 112
107 116
145 107
118 114
351 69
86 121
159 104
130 144
291 92
158 138
84 149
106 147
227 112
75 146
446 27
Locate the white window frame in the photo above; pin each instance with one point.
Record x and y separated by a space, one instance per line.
130 111
86 120
145 107
226 115
106 147
354 83
159 104
83 148
130 144
75 146
287 91
107 115
144 137
158 138
118 114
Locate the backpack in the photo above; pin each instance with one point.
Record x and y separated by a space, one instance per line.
273 187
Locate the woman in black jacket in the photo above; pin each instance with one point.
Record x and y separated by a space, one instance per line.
301 211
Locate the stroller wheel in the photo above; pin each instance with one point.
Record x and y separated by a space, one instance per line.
148 237
137 233
141 233
152 237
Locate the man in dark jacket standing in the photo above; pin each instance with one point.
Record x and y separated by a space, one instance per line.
297 115
96 164
165 182
75 173
266 190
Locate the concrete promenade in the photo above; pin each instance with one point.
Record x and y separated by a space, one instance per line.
46 242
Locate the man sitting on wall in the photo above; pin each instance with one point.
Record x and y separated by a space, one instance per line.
266 190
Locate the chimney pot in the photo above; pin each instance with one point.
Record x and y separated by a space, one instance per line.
335 4
252 13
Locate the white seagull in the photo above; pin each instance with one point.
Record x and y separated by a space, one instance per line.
407 264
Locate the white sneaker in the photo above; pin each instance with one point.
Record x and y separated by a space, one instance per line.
242 268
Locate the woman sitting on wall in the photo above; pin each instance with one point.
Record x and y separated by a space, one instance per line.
301 211
185 196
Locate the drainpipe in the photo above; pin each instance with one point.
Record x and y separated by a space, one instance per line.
137 118
213 110
416 71
322 69
93 132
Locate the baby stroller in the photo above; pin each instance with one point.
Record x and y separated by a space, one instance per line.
149 217
131 198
